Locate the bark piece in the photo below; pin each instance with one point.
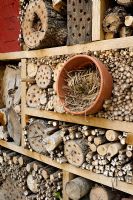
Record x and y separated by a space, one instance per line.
14 126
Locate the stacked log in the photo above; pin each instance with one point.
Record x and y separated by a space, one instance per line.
41 91
81 188
117 22
101 151
118 107
27 179
10 128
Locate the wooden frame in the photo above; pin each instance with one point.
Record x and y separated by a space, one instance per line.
69 170
98 11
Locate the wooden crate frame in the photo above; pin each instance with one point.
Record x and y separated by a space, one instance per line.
69 170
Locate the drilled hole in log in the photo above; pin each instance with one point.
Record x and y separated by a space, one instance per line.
36 24
81 10
74 10
73 3
88 19
81 19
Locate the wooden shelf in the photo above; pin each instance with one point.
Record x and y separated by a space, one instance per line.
108 181
79 48
85 120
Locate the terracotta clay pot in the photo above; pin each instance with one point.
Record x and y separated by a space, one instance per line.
106 84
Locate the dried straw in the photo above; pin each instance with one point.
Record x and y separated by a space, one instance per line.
82 87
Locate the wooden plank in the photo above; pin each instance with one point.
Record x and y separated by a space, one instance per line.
23 99
98 12
116 43
79 15
66 178
108 181
85 120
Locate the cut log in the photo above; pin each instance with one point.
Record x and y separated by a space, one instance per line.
126 31
33 96
102 149
114 148
43 76
14 126
57 70
99 192
93 147
99 140
42 26
109 35
129 21
43 98
75 151
36 134
59 6
58 106
52 141
112 135
32 183
129 139
77 188
31 69
125 2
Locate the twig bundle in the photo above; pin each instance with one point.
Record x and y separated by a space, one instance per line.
82 87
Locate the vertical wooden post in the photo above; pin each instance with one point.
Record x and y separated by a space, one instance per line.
66 178
23 99
98 11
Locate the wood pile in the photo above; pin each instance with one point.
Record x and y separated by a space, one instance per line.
10 113
81 188
119 63
39 30
26 179
102 151
41 92
118 20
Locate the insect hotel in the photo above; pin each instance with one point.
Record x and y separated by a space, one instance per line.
66 100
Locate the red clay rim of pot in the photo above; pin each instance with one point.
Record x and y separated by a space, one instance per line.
98 65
